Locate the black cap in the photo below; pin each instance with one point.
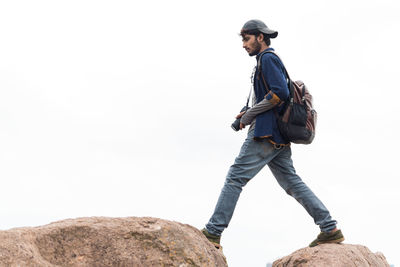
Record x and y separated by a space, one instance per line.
256 24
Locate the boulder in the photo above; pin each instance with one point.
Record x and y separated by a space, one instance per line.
337 255
99 241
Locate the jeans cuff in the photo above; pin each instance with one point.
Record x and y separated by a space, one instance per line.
213 231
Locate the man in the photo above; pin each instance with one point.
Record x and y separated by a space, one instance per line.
264 144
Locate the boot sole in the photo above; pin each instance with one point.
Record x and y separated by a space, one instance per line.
216 245
336 241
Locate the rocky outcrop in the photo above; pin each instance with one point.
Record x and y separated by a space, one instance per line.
100 241
337 255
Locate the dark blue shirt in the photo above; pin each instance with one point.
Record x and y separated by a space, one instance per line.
274 74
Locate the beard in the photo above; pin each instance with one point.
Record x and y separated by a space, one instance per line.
256 49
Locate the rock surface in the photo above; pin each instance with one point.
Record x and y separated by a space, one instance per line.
337 255
99 241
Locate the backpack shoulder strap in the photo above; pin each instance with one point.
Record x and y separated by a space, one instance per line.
272 52
289 81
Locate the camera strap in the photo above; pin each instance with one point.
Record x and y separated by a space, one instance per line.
251 87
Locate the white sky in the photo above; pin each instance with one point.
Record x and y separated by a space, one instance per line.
123 108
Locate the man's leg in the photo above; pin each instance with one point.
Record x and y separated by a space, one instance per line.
284 172
253 156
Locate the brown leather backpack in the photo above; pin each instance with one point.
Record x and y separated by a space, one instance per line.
298 118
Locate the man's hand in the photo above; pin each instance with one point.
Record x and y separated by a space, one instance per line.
241 126
240 114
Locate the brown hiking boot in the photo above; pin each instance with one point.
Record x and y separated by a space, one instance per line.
331 237
214 239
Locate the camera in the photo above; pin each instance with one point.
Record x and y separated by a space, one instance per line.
236 124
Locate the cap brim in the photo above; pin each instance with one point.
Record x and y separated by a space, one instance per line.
271 33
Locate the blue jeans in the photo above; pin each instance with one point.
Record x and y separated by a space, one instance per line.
253 156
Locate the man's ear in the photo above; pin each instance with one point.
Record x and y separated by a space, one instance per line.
260 38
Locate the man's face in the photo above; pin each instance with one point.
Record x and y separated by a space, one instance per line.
251 44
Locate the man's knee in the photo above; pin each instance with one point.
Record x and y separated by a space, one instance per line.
236 181
295 188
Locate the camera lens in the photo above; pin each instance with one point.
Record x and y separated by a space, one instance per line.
236 125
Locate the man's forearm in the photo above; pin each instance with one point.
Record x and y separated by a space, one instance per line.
260 107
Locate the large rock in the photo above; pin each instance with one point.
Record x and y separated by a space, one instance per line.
99 241
337 255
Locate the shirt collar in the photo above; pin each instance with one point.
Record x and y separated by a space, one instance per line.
263 52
